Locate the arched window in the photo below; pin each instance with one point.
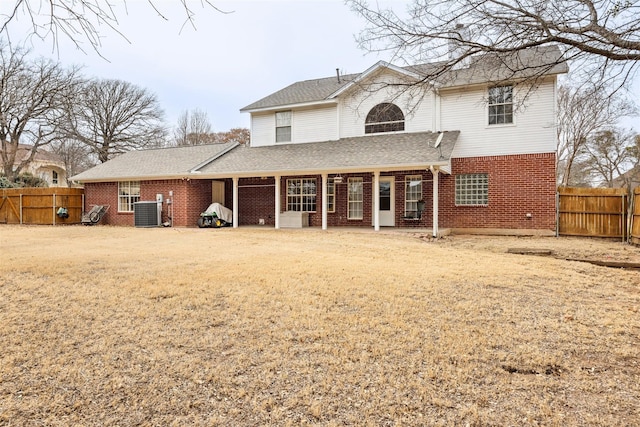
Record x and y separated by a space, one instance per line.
385 117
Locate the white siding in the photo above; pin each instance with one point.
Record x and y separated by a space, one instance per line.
533 130
415 104
308 125
263 129
319 124
464 110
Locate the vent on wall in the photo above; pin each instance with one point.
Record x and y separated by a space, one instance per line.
147 214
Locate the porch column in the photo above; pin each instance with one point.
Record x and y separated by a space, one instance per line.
376 200
325 179
235 202
277 197
435 173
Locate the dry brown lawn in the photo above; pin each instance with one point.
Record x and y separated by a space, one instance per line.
104 326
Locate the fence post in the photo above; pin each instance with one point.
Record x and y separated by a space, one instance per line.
20 208
54 208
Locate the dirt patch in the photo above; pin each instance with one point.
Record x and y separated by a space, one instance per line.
122 326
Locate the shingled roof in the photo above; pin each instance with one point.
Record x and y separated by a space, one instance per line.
538 61
401 151
161 163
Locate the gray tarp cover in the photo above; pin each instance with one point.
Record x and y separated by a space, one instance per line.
223 213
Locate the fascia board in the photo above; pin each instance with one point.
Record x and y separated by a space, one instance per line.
369 71
291 106
316 171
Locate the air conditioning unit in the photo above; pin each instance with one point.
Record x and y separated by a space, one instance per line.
147 214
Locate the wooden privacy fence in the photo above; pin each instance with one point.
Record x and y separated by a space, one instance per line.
634 227
593 212
40 205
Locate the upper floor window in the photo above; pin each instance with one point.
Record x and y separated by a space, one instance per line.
54 176
500 105
283 126
384 117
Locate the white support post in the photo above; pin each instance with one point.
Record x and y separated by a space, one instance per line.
325 199
277 207
435 173
376 200
235 202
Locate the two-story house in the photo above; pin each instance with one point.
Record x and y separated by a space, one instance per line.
45 165
374 149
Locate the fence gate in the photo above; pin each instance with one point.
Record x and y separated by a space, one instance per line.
594 212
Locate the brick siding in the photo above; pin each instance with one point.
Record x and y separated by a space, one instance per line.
518 185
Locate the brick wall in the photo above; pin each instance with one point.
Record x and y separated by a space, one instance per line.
518 185
190 198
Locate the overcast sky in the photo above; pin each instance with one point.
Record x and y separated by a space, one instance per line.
229 60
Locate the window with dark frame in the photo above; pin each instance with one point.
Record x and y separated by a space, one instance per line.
501 105
385 117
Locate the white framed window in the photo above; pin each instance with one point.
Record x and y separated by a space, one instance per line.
54 177
412 194
283 126
301 194
385 117
128 194
355 208
472 189
331 195
501 105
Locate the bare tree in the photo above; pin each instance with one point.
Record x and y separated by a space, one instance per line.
610 154
604 36
240 135
80 21
32 95
583 111
193 128
113 116
77 156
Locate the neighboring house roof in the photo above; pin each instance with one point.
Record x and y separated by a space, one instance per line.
42 156
401 151
481 69
630 178
155 163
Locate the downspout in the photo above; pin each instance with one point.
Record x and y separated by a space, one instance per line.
436 111
435 173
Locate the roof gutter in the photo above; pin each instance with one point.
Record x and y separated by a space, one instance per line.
289 106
